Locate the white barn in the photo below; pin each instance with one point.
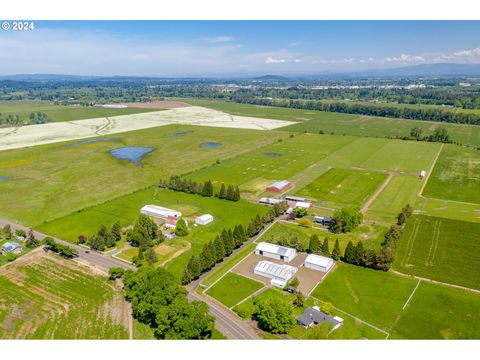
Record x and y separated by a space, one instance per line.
318 263
279 274
159 212
275 251
204 219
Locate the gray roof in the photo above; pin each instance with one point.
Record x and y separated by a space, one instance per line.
11 246
313 316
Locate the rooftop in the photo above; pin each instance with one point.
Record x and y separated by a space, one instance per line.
280 184
318 260
275 249
315 316
10 246
280 271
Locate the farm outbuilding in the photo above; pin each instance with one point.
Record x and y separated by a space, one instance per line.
318 263
322 220
275 251
278 273
423 173
279 186
313 316
11 247
269 200
204 219
160 212
303 205
294 198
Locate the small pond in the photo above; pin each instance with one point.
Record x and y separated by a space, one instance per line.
272 154
179 133
207 145
4 178
131 153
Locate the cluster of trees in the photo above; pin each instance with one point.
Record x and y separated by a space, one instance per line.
224 244
65 251
379 260
345 220
227 192
439 135
16 120
159 301
315 246
104 238
274 315
372 109
31 241
145 234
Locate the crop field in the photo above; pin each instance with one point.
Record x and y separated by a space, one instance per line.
337 123
456 175
226 214
50 181
45 297
448 209
343 186
441 249
59 113
401 190
233 288
371 235
257 169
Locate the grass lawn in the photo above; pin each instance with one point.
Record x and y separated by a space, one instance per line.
373 296
441 249
142 331
371 235
448 209
401 190
246 309
57 113
228 263
343 186
439 312
45 297
226 214
456 175
233 288
50 181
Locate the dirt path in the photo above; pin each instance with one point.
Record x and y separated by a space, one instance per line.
377 193
425 181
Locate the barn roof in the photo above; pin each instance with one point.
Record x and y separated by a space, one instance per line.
275 249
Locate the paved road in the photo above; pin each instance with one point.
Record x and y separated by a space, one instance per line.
97 259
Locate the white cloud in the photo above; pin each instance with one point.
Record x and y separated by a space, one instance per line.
219 39
271 60
405 58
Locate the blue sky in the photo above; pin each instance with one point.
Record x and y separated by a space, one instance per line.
233 48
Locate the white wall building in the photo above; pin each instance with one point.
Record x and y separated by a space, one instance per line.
318 263
276 251
159 212
204 219
303 204
279 274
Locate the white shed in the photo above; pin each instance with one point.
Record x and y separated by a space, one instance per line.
278 273
275 251
318 263
204 219
160 212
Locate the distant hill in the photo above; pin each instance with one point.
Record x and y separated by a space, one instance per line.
271 78
441 69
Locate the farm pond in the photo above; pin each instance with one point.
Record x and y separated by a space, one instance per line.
131 153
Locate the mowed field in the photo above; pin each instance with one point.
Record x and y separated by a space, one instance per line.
456 175
45 297
126 209
382 299
441 249
343 186
50 181
58 113
349 124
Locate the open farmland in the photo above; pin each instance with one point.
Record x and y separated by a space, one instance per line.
435 247
45 297
54 180
233 288
226 214
343 186
456 175
448 209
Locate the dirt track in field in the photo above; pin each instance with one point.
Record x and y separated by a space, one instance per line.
158 104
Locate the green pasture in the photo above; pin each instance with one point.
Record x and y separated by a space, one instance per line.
440 249
448 209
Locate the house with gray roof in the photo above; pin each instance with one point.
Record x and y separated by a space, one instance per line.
11 247
313 316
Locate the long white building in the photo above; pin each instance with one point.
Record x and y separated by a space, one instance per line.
278 273
160 212
275 251
319 263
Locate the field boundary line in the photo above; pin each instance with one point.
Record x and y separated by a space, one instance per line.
377 193
425 181
436 281
259 291
411 242
411 295
356 318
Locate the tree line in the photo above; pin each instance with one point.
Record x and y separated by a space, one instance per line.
226 192
65 251
227 241
16 120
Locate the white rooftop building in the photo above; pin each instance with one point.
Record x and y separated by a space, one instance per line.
319 263
275 251
303 204
204 219
160 212
279 274
269 200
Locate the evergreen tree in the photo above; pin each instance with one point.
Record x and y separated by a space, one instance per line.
181 228
236 194
325 247
229 195
116 231
205 189
219 249
194 267
31 241
160 236
349 255
401 219
336 251
151 256
314 244
222 192
140 256
187 276
7 232
209 188
359 253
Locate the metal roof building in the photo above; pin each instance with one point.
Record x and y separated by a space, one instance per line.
279 274
279 186
12 247
276 251
204 219
159 212
319 263
269 200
